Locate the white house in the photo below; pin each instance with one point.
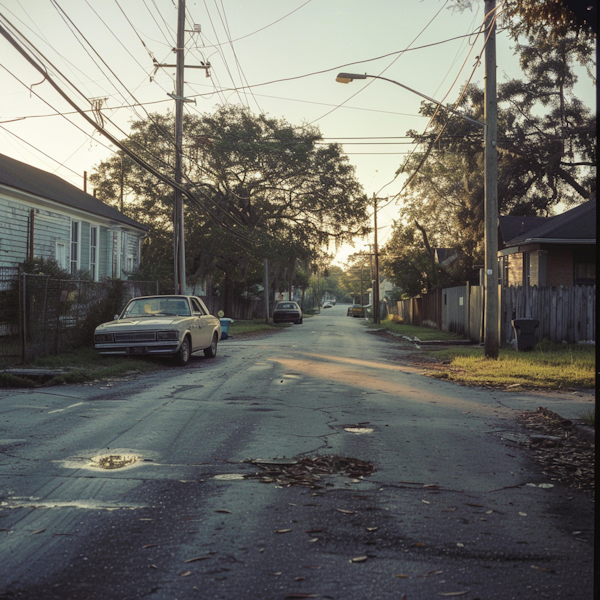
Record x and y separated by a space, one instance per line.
43 216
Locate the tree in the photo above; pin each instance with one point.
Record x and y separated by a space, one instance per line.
547 155
267 189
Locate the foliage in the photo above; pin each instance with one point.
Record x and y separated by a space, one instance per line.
100 312
543 18
356 279
265 189
546 155
44 266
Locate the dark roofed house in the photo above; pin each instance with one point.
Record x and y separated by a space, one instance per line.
43 216
549 251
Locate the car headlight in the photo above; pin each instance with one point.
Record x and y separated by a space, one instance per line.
166 335
102 338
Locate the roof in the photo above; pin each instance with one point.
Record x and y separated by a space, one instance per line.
26 178
577 225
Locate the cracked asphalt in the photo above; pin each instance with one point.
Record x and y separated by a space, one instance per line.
455 507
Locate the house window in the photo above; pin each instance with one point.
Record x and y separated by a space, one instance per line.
61 255
75 244
584 266
94 253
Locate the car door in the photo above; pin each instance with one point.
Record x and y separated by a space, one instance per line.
205 322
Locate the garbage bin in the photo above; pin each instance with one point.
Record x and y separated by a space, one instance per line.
525 333
225 327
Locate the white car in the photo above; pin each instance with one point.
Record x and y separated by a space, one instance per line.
160 326
327 305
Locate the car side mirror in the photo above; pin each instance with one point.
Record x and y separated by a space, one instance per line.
116 318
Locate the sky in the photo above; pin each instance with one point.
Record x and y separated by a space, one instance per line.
279 57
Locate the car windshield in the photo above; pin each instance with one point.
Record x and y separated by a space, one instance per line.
157 306
286 306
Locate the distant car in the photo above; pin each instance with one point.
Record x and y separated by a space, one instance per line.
160 326
287 312
327 305
358 310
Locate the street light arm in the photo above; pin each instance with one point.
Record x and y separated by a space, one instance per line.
348 77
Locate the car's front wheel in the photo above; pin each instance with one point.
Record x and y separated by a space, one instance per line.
183 355
211 351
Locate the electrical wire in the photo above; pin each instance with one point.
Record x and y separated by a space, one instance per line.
62 164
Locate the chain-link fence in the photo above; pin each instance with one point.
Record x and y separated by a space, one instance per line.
40 315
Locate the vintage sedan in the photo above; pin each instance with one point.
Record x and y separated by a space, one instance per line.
161 326
287 312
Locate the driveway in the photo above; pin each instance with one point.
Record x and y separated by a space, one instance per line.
453 507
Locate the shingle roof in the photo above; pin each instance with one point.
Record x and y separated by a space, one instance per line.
574 225
26 178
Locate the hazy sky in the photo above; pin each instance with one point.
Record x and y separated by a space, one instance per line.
279 57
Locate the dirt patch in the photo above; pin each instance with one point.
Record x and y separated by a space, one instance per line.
559 447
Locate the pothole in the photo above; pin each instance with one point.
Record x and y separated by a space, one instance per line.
310 472
114 461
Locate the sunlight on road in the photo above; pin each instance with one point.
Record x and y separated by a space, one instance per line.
373 376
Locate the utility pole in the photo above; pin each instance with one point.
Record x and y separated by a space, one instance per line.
178 230
266 291
178 222
376 316
491 339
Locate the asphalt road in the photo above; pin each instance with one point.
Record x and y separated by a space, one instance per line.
454 508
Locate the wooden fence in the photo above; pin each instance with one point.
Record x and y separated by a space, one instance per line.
565 313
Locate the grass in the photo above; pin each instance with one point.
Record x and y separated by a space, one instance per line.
548 367
423 333
79 366
589 418
254 326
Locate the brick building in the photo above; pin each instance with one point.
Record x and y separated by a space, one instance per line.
549 251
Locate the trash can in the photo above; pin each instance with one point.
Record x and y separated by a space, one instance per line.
225 327
525 333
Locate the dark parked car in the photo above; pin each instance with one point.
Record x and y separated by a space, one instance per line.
287 312
358 310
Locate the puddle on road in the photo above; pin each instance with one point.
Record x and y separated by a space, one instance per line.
229 477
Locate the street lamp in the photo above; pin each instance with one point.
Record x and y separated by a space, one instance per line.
490 127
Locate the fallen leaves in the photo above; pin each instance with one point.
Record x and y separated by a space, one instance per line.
358 559
346 512
309 471
567 458
453 593
195 559
282 530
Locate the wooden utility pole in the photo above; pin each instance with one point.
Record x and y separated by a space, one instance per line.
266 291
376 316
491 340
178 228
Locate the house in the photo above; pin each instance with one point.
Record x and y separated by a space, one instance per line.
549 251
43 216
